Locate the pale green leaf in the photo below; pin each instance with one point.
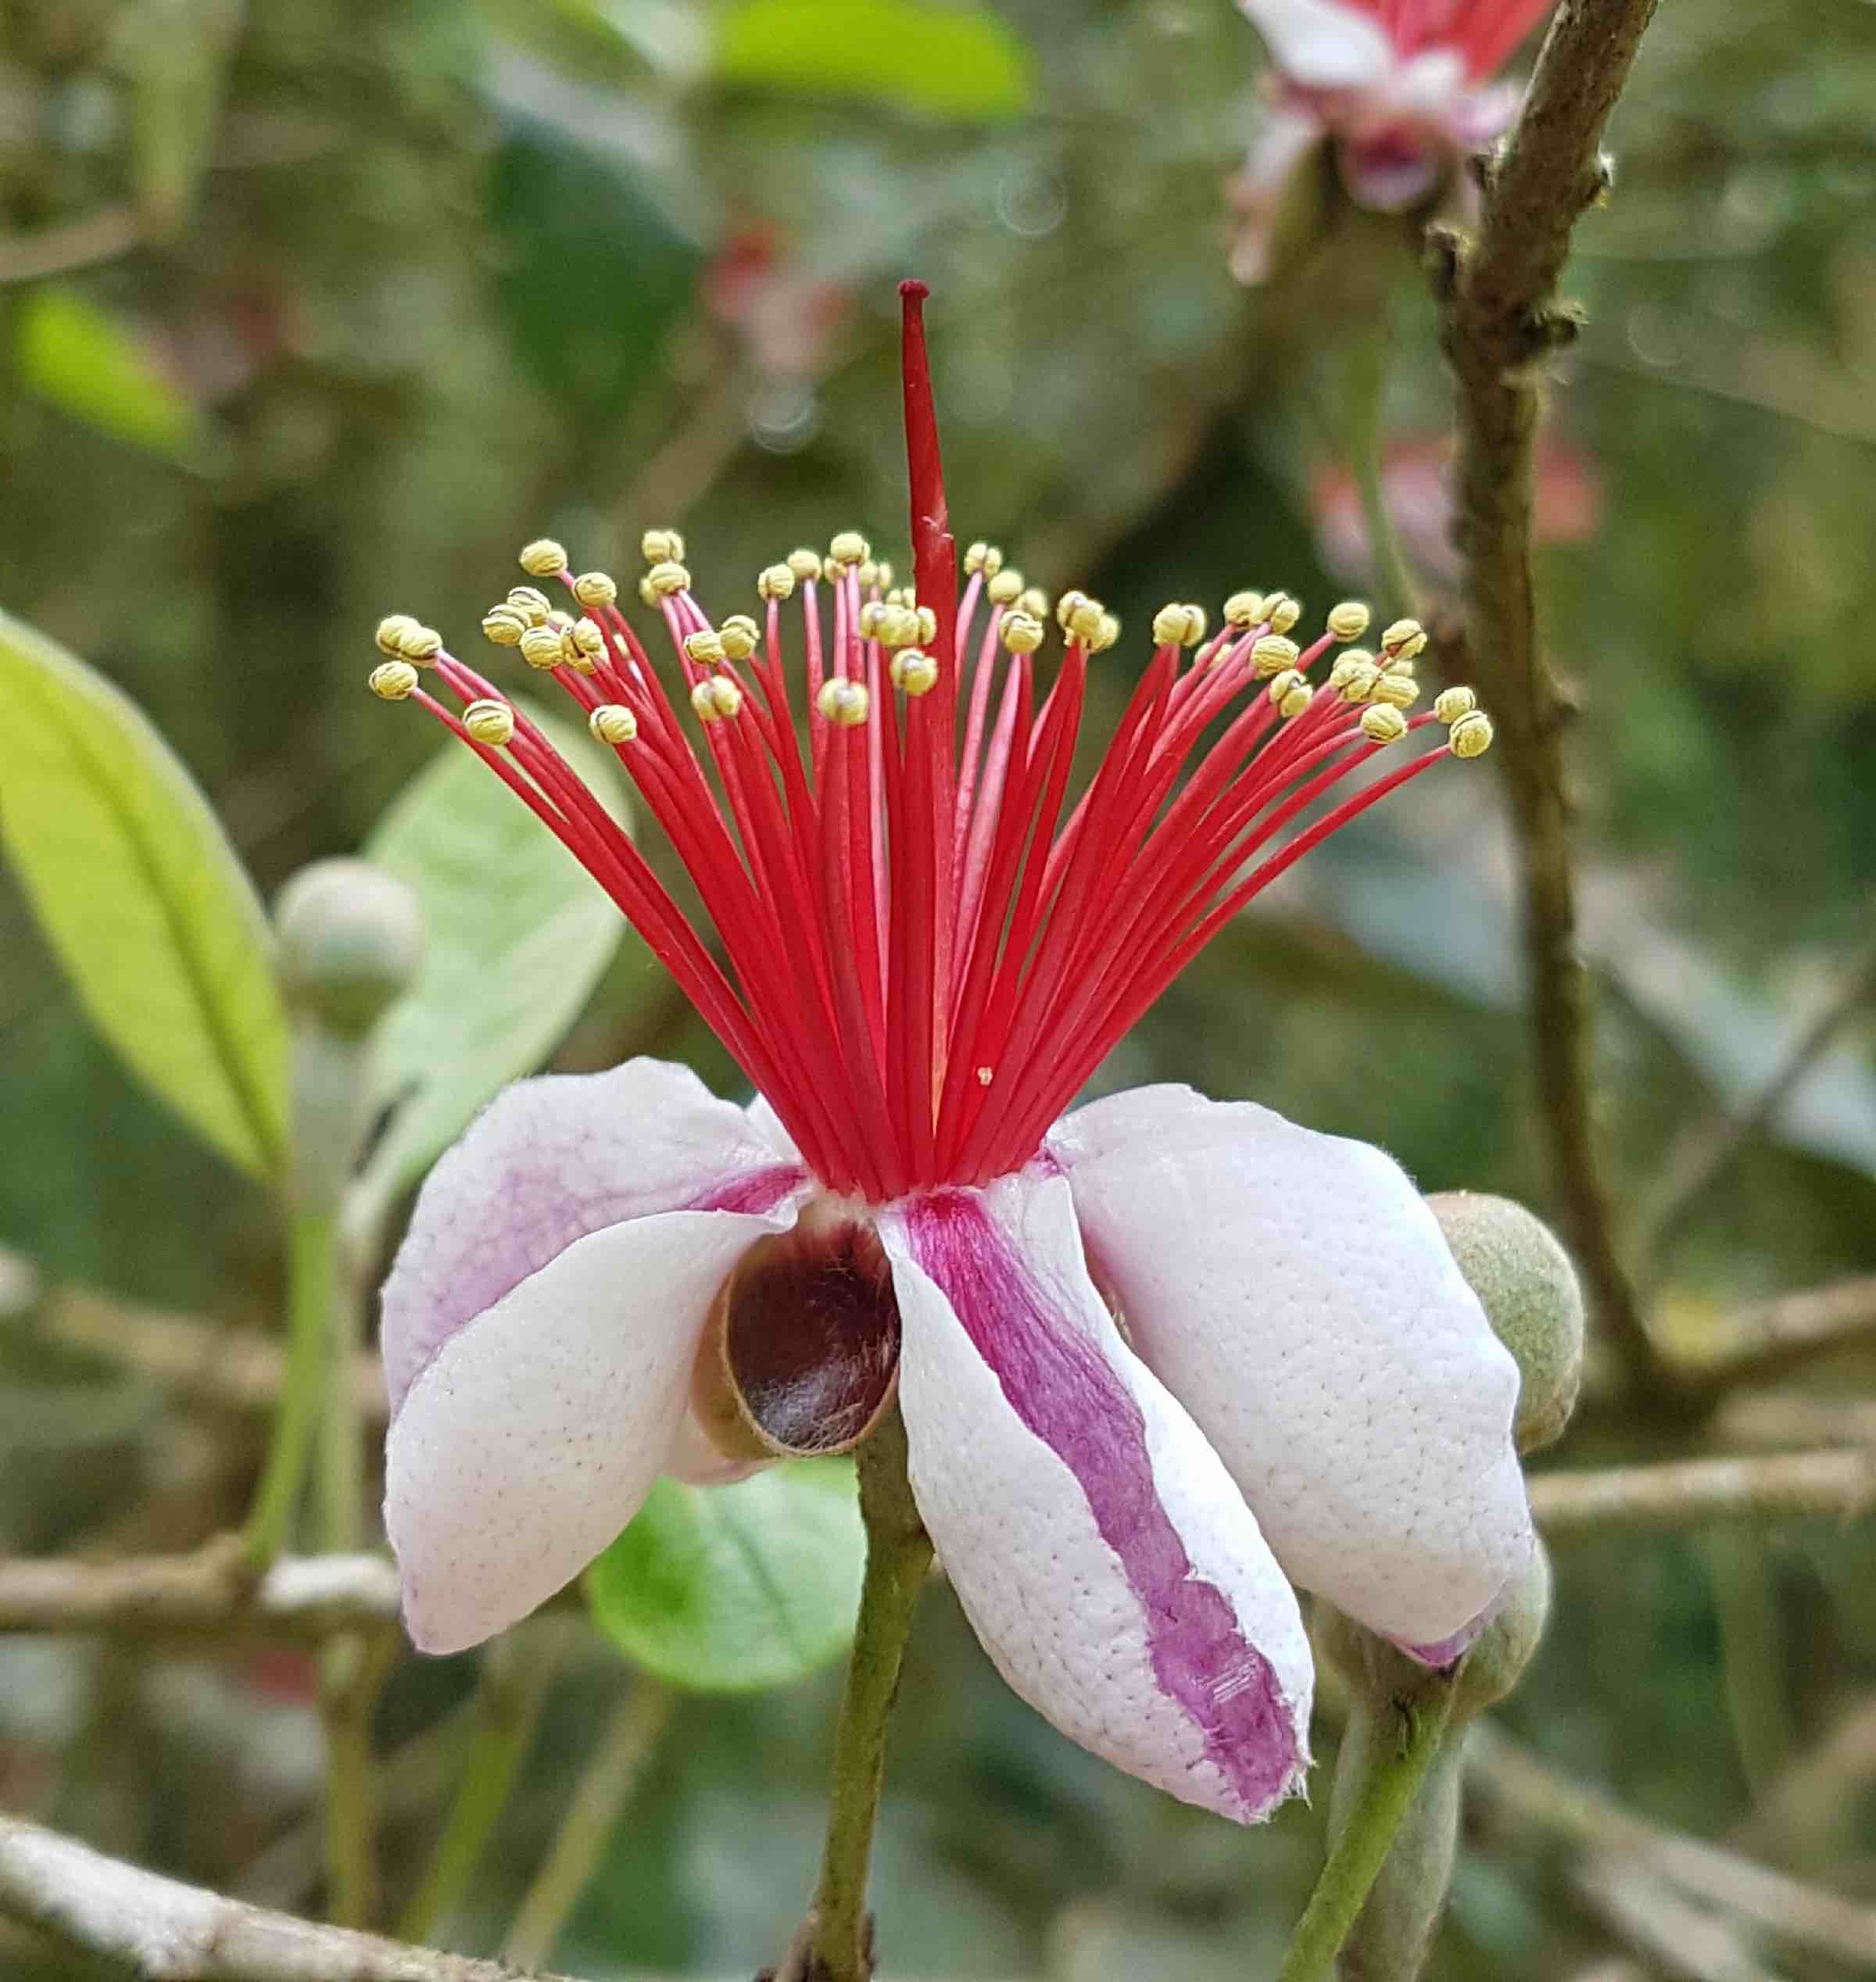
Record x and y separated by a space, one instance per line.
731 1588
86 362
516 933
962 61
143 899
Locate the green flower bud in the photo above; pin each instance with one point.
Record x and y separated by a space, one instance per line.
351 944
1528 1289
1505 1646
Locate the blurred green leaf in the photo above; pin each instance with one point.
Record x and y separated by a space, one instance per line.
84 361
944 61
731 1588
143 898
516 933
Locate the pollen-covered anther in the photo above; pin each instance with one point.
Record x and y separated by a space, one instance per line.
1450 704
1382 724
914 671
588 636
849 549
1068 604
1282 611
391 632
928 623
739 635
504 626
1402 635
1273 654
1471 735
844 702
1020 633
869 618
1243 609
901 595
1083 621
897 626
1006 587
805 564
1395 690
391 681
1353 677
612 723
1349 619
1290 693
533 606
666 580
1106 632
421 644
715 697
974 557
490 721
882 573
541 647
661 547
1179 626
601 589
775 581
705 647
543 558
1035 602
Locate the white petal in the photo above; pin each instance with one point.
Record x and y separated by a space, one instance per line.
1322 44
531 1436
1103 1556
1289 135
1295 1292
548 1161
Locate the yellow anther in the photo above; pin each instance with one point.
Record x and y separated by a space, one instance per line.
915 671
612 723
1396 690
775 581
1450 704
541 647
882 573
848 548
1006 587
845 703
1179 626
573 654
993 560
1105 635
392 680
1471 735
1243 609
559 620
928 623
868 574
647 594
1020 633
1272 653
391 632
504 626
490 722
897 626
1350 667
588 636
543 559
740 635
421 644
1035 602
1083 622
869 618
805 564
901 595
1358 684
662 547
1382 725
532 606
1067 604
1282 611
601 589
666 580
1349 619
1398 635
716 696
974 556
704 647
1296 702
1281 685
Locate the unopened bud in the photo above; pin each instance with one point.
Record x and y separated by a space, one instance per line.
1507 1644
350 942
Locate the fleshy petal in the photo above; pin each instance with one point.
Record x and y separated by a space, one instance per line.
1322 44
1103 1556
1295 1292
531 1436
546 1163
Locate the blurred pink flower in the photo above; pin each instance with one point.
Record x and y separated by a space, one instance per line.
1416 485
1400 87
786 319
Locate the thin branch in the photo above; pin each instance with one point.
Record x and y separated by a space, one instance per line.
1707 1152
307 1599
1788 1420
1687 1941
1776 1337
1687 1493
1500 323
1512 1782
101 236
164 1931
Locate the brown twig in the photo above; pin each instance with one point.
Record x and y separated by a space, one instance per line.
1691 1493
163 1931
1500 323
1760 1343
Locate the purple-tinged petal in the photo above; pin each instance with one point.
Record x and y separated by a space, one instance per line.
1322 44
1258 195
1294 1291
1390 171
1105 1559
530 1437
548 1162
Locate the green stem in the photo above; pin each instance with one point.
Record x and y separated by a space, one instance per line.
312 1282
1391 1779
898 1556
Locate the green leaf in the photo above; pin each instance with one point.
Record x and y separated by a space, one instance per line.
516 933
143 898
961 62
732 1589
84 361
